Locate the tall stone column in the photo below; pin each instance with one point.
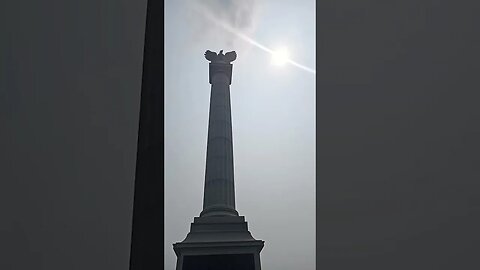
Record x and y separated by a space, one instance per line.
219 239
219 191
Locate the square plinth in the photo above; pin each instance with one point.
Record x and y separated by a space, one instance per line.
222 242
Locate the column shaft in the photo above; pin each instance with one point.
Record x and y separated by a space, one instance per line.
219 192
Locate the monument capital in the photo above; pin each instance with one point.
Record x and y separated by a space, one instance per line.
220 64
226 58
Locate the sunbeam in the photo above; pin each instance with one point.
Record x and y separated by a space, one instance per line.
275 54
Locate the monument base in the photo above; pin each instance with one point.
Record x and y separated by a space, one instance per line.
219 242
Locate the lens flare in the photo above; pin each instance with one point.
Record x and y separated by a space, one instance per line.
280 56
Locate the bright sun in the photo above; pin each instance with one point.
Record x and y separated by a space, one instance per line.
280 57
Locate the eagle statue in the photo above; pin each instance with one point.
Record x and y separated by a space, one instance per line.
220 57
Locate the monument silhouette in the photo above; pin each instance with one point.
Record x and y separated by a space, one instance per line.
219 237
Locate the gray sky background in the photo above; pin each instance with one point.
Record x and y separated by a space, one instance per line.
273 118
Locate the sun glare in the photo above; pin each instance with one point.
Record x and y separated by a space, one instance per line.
280 56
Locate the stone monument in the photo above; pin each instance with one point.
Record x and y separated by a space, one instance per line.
219 237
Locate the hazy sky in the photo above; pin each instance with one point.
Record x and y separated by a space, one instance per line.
273 119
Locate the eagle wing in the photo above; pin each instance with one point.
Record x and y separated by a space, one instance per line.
210 56
230 56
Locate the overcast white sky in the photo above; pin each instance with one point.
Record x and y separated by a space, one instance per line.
273 118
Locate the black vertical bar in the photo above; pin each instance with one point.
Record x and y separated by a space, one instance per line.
147 225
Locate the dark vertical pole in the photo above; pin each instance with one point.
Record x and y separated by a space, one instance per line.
147 226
